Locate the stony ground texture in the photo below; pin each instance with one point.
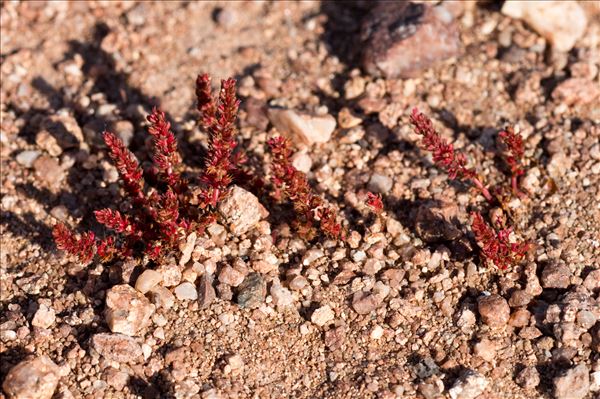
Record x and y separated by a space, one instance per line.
404 308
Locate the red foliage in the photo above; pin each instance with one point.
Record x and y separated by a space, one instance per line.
292 184
115 221
218 119
129 169
166 157
83 247
159 218
496 246
515 150
374 202
444 155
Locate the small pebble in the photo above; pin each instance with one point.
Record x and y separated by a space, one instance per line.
322 316
186 291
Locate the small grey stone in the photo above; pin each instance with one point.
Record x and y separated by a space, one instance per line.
379 183
252 292
186 291
426 368
26 158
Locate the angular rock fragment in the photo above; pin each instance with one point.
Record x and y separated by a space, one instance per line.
573 383
206 291
186 291
117 347
127 310
302 127
44 317
556 275
241 210
32 379
494 310
402 38
252 292
322 316
469 386
147 280
562 23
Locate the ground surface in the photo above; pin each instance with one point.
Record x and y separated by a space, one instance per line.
74 69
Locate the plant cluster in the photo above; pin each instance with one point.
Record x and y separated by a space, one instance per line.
496 246
291 184
375 203
158 218
159 213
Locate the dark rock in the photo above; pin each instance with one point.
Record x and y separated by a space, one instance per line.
252 291
206 291
404 38
426 368
434 223
556 275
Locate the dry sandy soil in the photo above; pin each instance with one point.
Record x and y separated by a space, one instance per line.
71 69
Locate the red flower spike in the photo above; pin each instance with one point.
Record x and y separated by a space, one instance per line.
329 224
107 249
161 217
127 165
375 202
115 221
167 218
292 184
444 155
206 104
218 119
515 148
495 246
83 247
166 157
